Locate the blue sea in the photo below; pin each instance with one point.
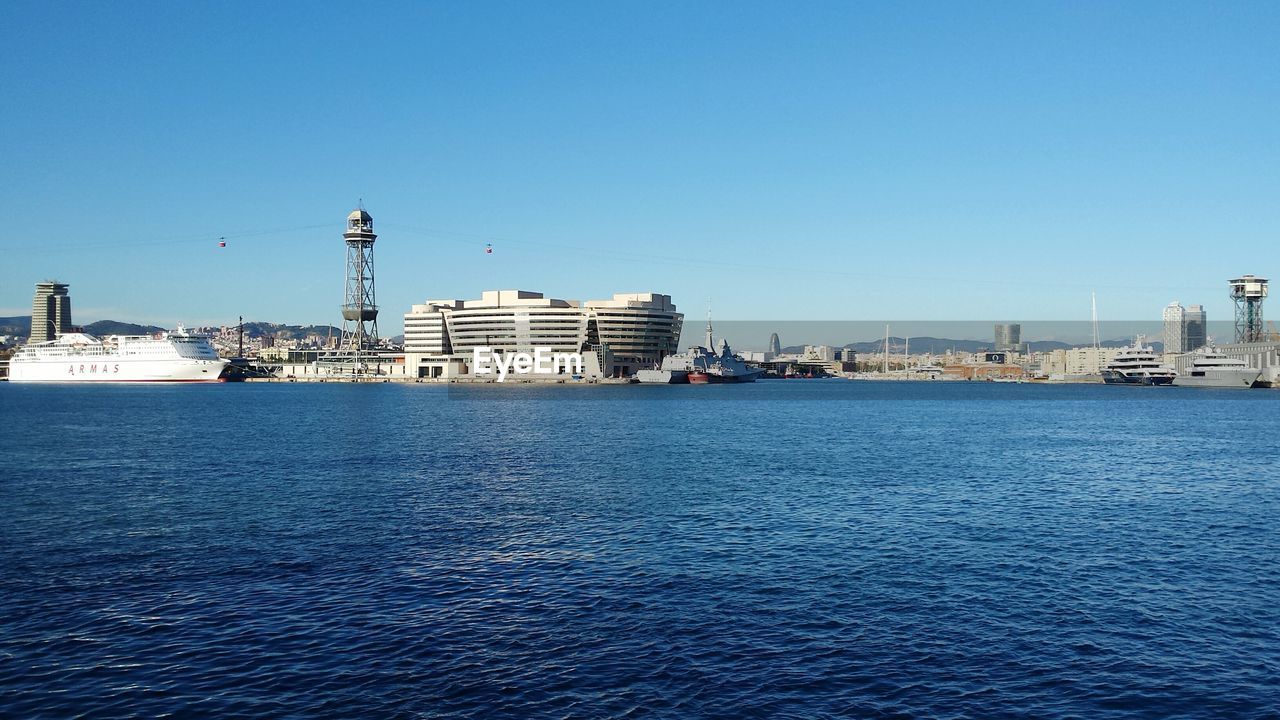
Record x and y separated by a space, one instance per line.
787 549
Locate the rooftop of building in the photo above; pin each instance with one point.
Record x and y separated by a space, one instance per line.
493 299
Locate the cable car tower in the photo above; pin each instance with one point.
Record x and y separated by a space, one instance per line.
359 309
1248 292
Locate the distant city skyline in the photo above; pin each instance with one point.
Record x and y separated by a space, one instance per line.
831 161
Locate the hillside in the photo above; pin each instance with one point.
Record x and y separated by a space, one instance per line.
20 325
103 328
288 332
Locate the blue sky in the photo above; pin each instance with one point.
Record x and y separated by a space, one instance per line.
833 161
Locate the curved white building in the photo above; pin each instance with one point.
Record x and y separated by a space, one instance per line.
627 333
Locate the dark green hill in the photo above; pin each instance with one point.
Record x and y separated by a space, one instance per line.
103 328
288 332
20 325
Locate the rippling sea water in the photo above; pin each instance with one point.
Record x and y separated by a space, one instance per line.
788 549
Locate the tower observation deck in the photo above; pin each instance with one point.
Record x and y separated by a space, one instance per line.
1248 292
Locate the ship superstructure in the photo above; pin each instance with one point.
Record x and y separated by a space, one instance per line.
1137 365
703 364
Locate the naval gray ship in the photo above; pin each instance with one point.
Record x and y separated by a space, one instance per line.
702 364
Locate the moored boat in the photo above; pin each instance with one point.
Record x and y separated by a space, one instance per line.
177 356
702 364
1137 364
1211 368
662 377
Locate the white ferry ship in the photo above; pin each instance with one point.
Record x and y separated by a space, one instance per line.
1137 365
177 356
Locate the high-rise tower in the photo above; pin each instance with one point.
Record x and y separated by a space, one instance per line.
1195 334
50 311
360 308
1248 292
1008 336
1175 319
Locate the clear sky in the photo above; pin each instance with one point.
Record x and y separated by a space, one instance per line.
834 161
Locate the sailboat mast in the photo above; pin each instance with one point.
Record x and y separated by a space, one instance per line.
1097 352
886 348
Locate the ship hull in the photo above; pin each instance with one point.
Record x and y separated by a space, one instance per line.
1242 378
108 369
1111 377
724 379
663 377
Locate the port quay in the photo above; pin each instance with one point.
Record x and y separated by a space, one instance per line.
523 337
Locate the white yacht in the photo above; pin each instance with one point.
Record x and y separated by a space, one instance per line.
1137 364
1210 368
177 356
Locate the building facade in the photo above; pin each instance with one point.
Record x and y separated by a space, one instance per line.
50 311
1175 318
629 332
1195 328
1077 361
1008 336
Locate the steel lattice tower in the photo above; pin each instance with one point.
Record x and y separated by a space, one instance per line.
1248 292
360 308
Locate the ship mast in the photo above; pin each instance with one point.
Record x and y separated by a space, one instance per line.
711 343
886 348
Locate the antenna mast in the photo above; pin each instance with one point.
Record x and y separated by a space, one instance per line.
711 342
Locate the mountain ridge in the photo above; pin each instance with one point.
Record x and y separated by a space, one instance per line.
20 326
937 346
